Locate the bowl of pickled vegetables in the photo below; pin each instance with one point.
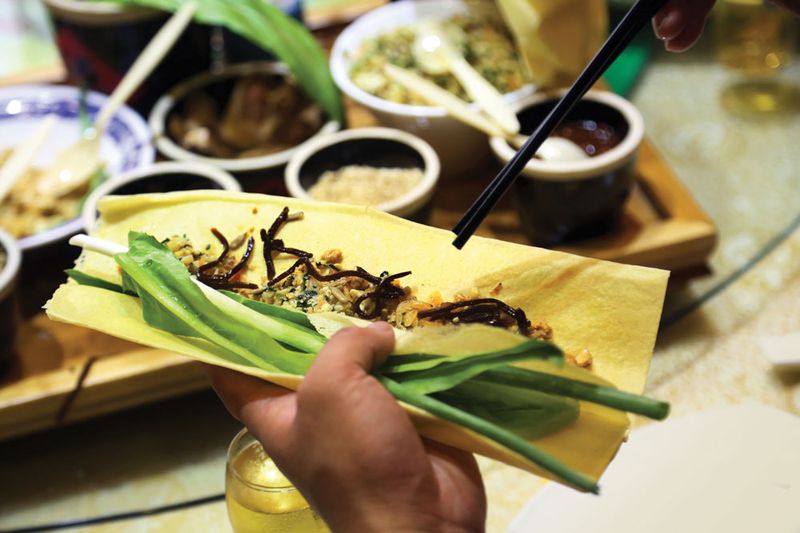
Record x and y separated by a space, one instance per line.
387 36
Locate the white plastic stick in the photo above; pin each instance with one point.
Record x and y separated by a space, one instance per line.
110 249
100 246
147 61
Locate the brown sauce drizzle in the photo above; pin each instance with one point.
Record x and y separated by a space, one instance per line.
481 310
223 280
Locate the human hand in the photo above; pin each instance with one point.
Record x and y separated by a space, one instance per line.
351 450
681 22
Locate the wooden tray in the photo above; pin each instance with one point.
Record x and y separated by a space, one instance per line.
662 226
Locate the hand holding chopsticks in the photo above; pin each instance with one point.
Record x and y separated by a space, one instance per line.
636 18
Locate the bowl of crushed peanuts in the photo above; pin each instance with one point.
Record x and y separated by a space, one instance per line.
384 168
386 35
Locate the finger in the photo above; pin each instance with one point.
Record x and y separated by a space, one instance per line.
682 18
461 460
266 409
686 39
350 354
791 5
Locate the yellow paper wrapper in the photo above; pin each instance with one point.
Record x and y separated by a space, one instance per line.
613 310
557 38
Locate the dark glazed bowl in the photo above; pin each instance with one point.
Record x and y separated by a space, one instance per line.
8 310
560 201
99 41
161 177
373 147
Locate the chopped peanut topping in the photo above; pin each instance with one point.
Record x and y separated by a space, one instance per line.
333 256
582 359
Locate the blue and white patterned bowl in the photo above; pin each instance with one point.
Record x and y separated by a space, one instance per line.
125 146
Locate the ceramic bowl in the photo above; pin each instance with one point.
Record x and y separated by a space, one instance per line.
124 147
99 41
374 147
461 148
262 174
559 201
160 177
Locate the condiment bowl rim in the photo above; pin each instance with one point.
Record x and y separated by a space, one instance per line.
340 63
399 205
88 216
588 168
165 104
42 92
13 262
94 12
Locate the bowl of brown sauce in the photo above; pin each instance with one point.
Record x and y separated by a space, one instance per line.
572 199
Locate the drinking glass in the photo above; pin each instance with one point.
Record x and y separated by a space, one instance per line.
259 497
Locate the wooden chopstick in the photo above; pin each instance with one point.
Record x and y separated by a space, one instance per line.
635 19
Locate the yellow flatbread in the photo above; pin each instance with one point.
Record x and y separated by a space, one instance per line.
611 309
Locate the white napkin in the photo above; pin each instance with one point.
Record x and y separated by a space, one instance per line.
732 470
782 351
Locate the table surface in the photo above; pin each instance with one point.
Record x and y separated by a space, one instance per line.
164 463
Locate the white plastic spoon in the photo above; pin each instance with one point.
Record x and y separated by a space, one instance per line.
434 53
75 165
455 106
20 160
553 149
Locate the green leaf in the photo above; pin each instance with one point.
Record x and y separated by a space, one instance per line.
506 438
445 373
272 29
413 362
529 414
275 311
163 280
155 313
608 396
92 281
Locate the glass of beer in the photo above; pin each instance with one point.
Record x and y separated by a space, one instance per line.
259 497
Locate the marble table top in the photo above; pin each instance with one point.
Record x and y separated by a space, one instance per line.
168 459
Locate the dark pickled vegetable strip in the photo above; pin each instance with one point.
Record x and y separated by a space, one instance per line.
225 276
286 273
269 236
231 285
223 281
225 247
478 310
484 310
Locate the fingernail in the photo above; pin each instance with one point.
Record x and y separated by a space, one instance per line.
380 326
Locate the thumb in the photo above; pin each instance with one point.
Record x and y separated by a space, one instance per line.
350 354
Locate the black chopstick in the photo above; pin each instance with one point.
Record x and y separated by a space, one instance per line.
635 19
